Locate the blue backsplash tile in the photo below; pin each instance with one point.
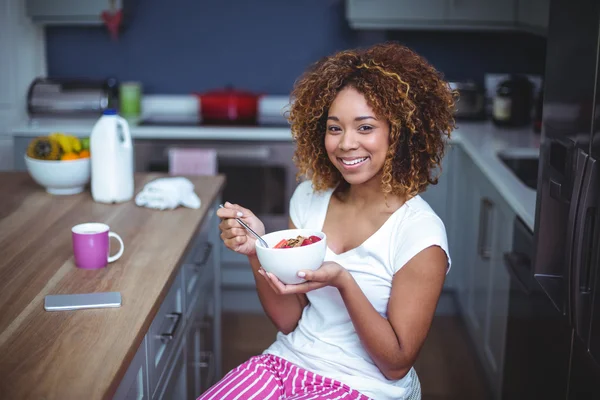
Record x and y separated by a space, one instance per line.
183 46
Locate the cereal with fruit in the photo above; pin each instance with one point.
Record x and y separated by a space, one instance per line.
298 241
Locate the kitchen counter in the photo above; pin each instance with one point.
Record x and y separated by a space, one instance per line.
84 353
481 140
191 132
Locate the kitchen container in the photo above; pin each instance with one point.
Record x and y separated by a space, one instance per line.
60 177
513 102
51 97
471 101
112 159
130 99
229 106
285 263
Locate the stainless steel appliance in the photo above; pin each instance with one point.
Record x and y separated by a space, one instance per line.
567 239
536 334
261 176
471 101
49 97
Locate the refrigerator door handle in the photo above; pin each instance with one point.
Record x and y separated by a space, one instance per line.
573 242
514 261
582 261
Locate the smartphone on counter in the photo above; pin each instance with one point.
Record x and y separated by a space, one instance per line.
61 302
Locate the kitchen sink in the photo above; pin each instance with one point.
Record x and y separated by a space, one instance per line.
523 164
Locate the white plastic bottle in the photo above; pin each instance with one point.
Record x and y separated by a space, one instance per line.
112 163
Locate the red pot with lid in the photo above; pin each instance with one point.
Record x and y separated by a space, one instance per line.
229 105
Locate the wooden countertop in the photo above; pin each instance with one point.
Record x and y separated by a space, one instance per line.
81 354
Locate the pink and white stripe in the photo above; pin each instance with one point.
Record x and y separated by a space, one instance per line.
268 377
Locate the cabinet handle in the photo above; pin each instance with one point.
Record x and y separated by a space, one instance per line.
167 337
205 256
206 359
483 247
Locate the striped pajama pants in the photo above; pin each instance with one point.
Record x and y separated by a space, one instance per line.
267 377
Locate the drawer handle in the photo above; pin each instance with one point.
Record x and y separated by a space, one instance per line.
206 359
167 337
206 255
485 213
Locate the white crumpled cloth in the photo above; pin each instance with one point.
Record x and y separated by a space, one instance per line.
167 194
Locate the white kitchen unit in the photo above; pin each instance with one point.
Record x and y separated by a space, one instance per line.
179 357
478 199
23 58
6 153
525 15
482 238
69 12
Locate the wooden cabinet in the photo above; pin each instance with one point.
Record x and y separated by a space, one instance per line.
179 357
528 15
479 235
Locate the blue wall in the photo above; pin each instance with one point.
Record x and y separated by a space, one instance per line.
181 46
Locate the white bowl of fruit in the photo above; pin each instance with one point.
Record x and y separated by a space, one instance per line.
290 251
60 163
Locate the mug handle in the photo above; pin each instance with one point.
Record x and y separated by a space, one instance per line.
120 252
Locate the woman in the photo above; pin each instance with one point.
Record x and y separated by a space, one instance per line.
370 127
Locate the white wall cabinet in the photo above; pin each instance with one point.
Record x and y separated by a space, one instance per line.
23 59
527 15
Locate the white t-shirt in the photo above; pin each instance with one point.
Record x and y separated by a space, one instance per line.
325 340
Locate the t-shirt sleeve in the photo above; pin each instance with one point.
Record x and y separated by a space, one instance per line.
300 203
417 234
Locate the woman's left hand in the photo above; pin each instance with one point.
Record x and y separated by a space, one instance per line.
328 274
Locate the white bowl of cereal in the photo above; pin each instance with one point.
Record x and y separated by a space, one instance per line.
290 251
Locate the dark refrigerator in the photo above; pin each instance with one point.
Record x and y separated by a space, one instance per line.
566 256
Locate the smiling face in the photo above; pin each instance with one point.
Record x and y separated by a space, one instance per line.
356 139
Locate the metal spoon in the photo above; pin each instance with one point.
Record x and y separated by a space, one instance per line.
250 230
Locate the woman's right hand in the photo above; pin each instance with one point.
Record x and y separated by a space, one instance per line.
234 235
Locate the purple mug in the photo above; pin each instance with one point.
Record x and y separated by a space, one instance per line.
91 245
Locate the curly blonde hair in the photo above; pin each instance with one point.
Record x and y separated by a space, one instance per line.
400 86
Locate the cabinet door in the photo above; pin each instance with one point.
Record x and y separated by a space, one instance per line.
6 153
175 386
382 12
484 213
200 357
23 59
534 13
497 301
462 232
482 11
134 385
437 195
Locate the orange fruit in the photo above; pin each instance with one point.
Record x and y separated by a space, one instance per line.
84 154
69 156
